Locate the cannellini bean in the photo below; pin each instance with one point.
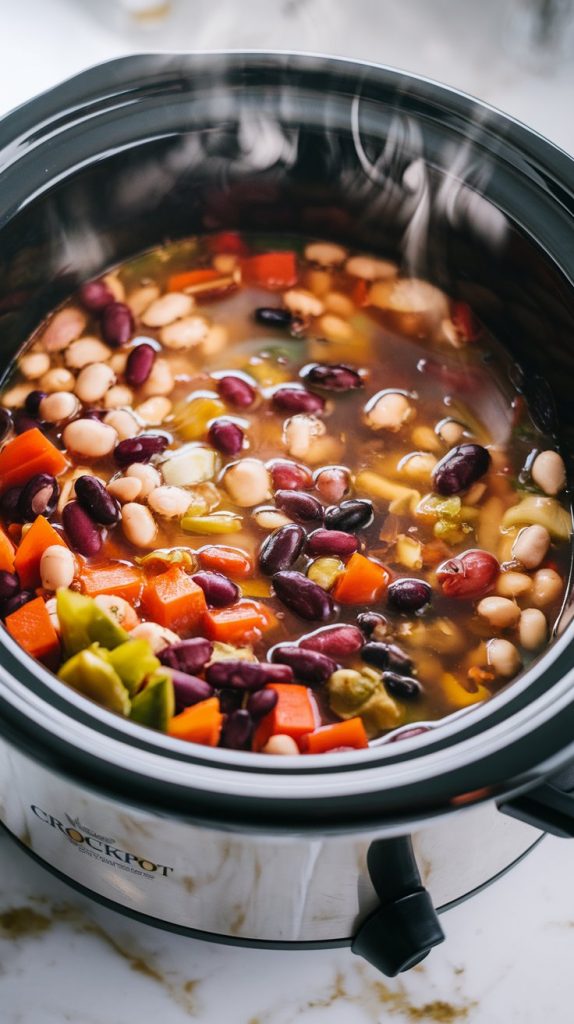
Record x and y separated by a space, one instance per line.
499 612
148 476
334 328
64 327
532 629
118 397
157 636
327 254
118 362
57 567
339 304
281 744
503 657
125 488
184 333
142 298
34 365
547 587
154 410
270 518
93 382
388 410
123 423
225 262
371 269
167 309
417 465
300 432
531 546
169 502
248 482
160 380
59 406
52 609
513 584
549 472
57 379
16 396
411 305
90 438
425 439
116 607
450 431
115 286
138 525
302 302
215 340
85 351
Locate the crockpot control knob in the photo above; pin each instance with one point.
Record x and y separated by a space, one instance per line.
405 927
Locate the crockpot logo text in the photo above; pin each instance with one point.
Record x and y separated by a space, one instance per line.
106 850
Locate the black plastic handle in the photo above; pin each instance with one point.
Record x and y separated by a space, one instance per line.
549 806
404 928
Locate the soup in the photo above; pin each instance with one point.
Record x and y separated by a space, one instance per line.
275 497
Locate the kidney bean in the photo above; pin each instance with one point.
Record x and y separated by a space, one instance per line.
81 530
11 604
307 599
333 377
32 403
403 687
262 702
97 500
460 468
332 542
469 575
218 590
409 595
372 624
281 549
237 730
139 449
332 483
290 476
39 497
406 734
335 641
189 689
308 665
188 656
117 323
6 420
22 422
296 400
95 296
226 436
350 516
9 584
303 507
139 365
236 391
387 656
274 316
9 505
246 675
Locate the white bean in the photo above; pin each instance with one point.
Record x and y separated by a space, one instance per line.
57 379
499 612
169 502
450 431
154 410
34 365
417 465
16 396
57 567
339 304
248 482
157 636
302 302
52 609
371 269
85 351
167 309
388 410
513 584
299 433
59 406
142 298
281 744
549 472
334 328
118 397
225 262
93 382
118 362
270 518
503 657
160 380
116 607
125 489
215 340
90 438
532 629
327 254
185 333
123 423
148 476
547 587
138 524
531 546
64 327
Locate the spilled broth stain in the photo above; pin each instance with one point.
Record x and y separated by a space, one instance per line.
23 923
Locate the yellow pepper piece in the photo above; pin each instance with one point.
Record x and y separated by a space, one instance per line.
217 522
457 695
381 487
255 588
324 571
192 418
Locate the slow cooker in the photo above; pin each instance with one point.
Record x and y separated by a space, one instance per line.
367 847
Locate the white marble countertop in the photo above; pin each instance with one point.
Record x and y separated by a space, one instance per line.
508 954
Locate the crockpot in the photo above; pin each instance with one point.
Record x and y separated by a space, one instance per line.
365 847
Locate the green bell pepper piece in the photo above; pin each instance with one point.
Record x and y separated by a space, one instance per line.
83 623
155 705
133 661
91 674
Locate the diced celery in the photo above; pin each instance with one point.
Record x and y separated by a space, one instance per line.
324 571
133 661
90 673
155 705
217 522
169 556
83 623
536 509
408 551
193 464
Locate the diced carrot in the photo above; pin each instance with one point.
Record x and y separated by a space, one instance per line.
32 628
200 723
236 623
360 292
40 536
117 578
27 454
271 269
174 600
6 553
362 582
294 714
342 734
229 561
204 282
